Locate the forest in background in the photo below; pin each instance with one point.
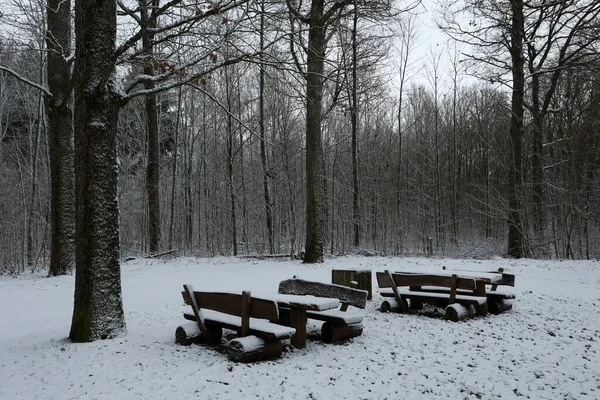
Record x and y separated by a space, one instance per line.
426 171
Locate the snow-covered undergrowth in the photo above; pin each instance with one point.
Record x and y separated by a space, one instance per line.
547 347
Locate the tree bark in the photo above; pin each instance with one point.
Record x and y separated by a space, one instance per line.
230 165
354 123
153 168
263 147
98 309
515 231
315 191
60 138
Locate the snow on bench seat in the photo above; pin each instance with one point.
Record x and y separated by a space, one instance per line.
258 327
460 298
505 295
337 316
308 301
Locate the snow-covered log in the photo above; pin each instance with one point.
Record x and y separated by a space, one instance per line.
458 312
391 305
252 348
190 333
496 306
337 333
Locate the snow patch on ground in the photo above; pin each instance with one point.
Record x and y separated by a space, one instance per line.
546 347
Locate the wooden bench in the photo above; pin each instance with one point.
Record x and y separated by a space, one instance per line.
249 317
448 292
498 301
339 324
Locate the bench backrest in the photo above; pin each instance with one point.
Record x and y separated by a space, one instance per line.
416 279
231 303
507 280
346 295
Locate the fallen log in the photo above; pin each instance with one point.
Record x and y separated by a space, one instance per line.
331 333
252 348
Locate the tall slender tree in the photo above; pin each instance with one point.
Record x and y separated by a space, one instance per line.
60 133
515 177
148 17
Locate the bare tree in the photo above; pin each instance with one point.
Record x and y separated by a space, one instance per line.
98 311
60 134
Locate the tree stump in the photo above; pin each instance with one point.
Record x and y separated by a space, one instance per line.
252 348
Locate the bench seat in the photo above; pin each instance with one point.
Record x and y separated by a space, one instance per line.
258 327
497 294
337 316
460 298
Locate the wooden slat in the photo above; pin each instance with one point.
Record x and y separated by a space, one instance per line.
415 279
506 279
269 334
229 303
382 280
430 297
490 295
433 280
300 301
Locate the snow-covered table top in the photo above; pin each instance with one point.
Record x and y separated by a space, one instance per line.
296 301
488 277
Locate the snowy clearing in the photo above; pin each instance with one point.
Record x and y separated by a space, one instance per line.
547 347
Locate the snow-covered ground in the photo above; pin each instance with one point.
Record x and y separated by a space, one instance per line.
547 347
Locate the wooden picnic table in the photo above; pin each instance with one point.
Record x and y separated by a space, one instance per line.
298 306
467 288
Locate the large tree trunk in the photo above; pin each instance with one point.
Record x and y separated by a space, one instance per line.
98 309
515 231
315 191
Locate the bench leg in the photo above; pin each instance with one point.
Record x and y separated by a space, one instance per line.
391 305
336 333
416 304
251 348
190 333
298 322
457 312
481 309
496 306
